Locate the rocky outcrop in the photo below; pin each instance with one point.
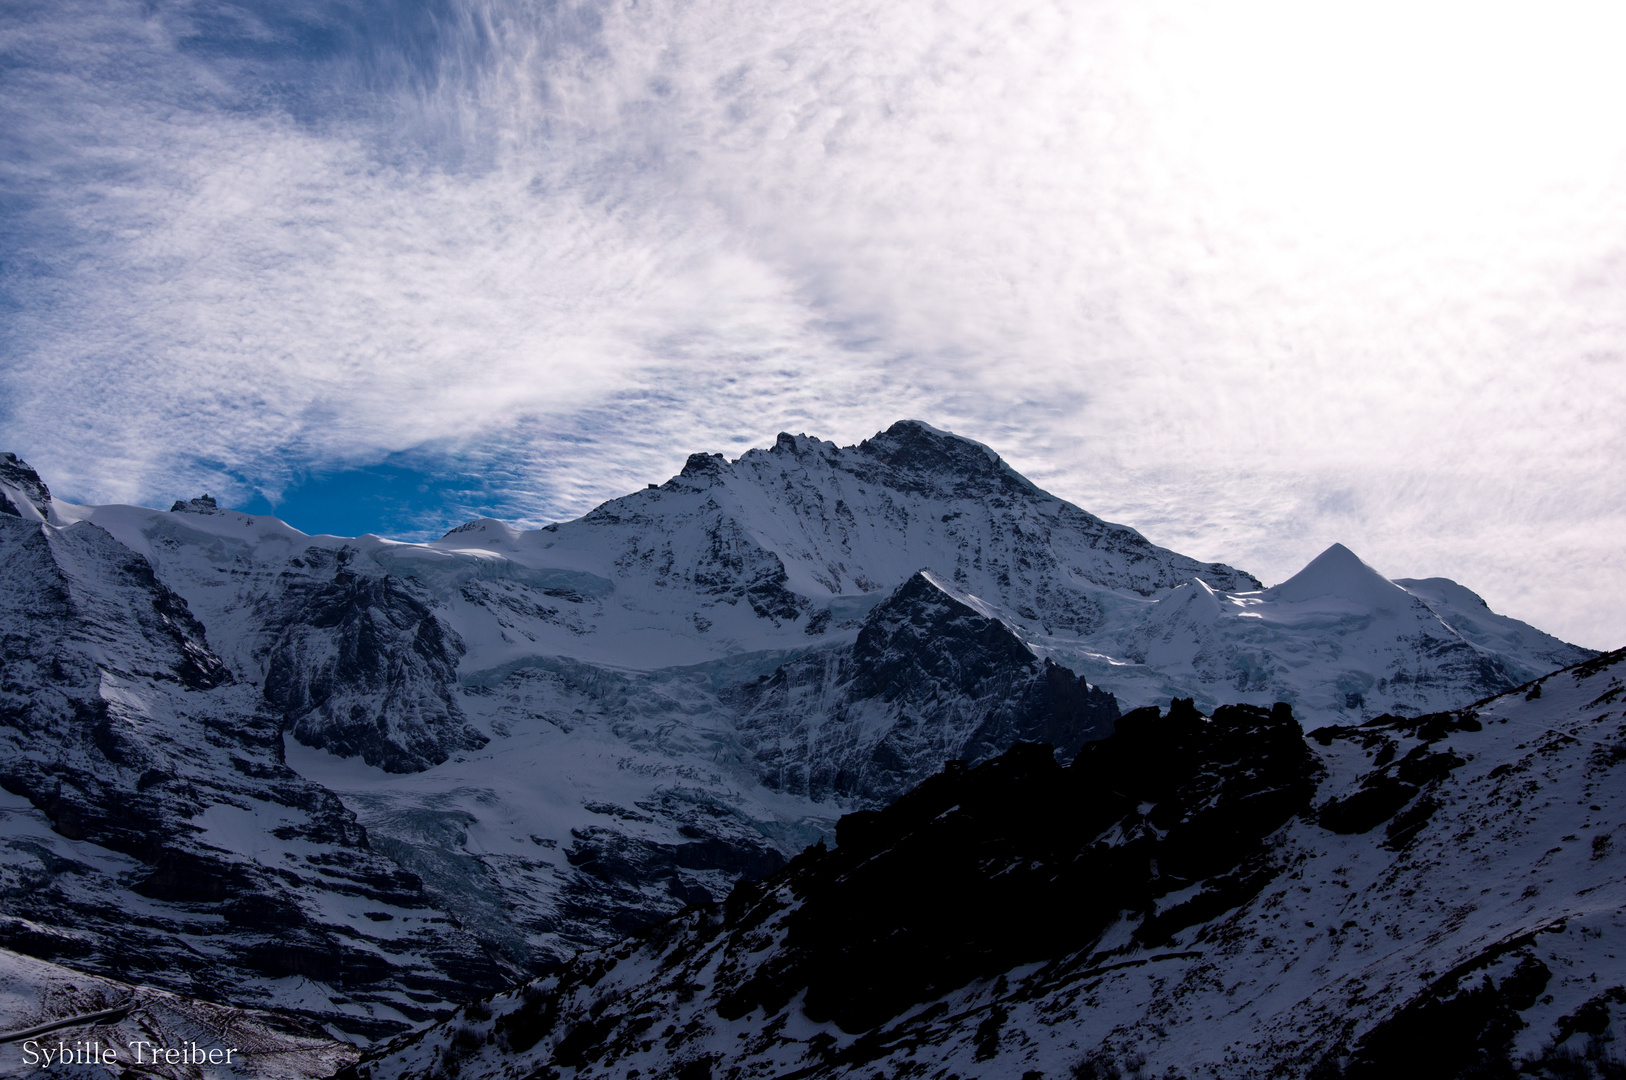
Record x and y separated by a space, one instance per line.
363 668
928 679
203 504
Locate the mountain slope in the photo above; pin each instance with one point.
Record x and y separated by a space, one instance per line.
158 826
1195 896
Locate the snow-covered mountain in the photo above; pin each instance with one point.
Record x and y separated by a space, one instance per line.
1193 897
359 778
1338 641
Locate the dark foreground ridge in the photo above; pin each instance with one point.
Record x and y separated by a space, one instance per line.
1216 896
980 870
975 872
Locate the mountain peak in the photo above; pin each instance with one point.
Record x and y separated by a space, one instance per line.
1339 572
704 465
484 530
203 504
915 455
21 480
916 438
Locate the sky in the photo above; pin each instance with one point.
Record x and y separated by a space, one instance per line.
1252 277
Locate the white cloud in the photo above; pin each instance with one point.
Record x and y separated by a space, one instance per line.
1250 278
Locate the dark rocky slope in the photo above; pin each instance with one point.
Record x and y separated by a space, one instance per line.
929 679
1194 896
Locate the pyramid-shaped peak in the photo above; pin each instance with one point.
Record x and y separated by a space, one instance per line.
1339 572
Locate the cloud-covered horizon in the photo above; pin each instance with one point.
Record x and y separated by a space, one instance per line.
1249 278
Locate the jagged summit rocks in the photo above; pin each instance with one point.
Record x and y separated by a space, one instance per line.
914 455
203 504
22 493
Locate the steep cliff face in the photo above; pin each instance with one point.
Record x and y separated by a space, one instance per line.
22 493
1194 896
362 668
928 679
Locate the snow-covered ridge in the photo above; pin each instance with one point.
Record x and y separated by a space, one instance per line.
1338 640
786 547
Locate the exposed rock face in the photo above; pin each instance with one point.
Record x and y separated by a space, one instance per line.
203 504
928 679
1183 900
362 668
22 492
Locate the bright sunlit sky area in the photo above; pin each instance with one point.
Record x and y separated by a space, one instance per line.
1252 277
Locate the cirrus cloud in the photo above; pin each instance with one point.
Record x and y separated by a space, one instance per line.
1250 278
